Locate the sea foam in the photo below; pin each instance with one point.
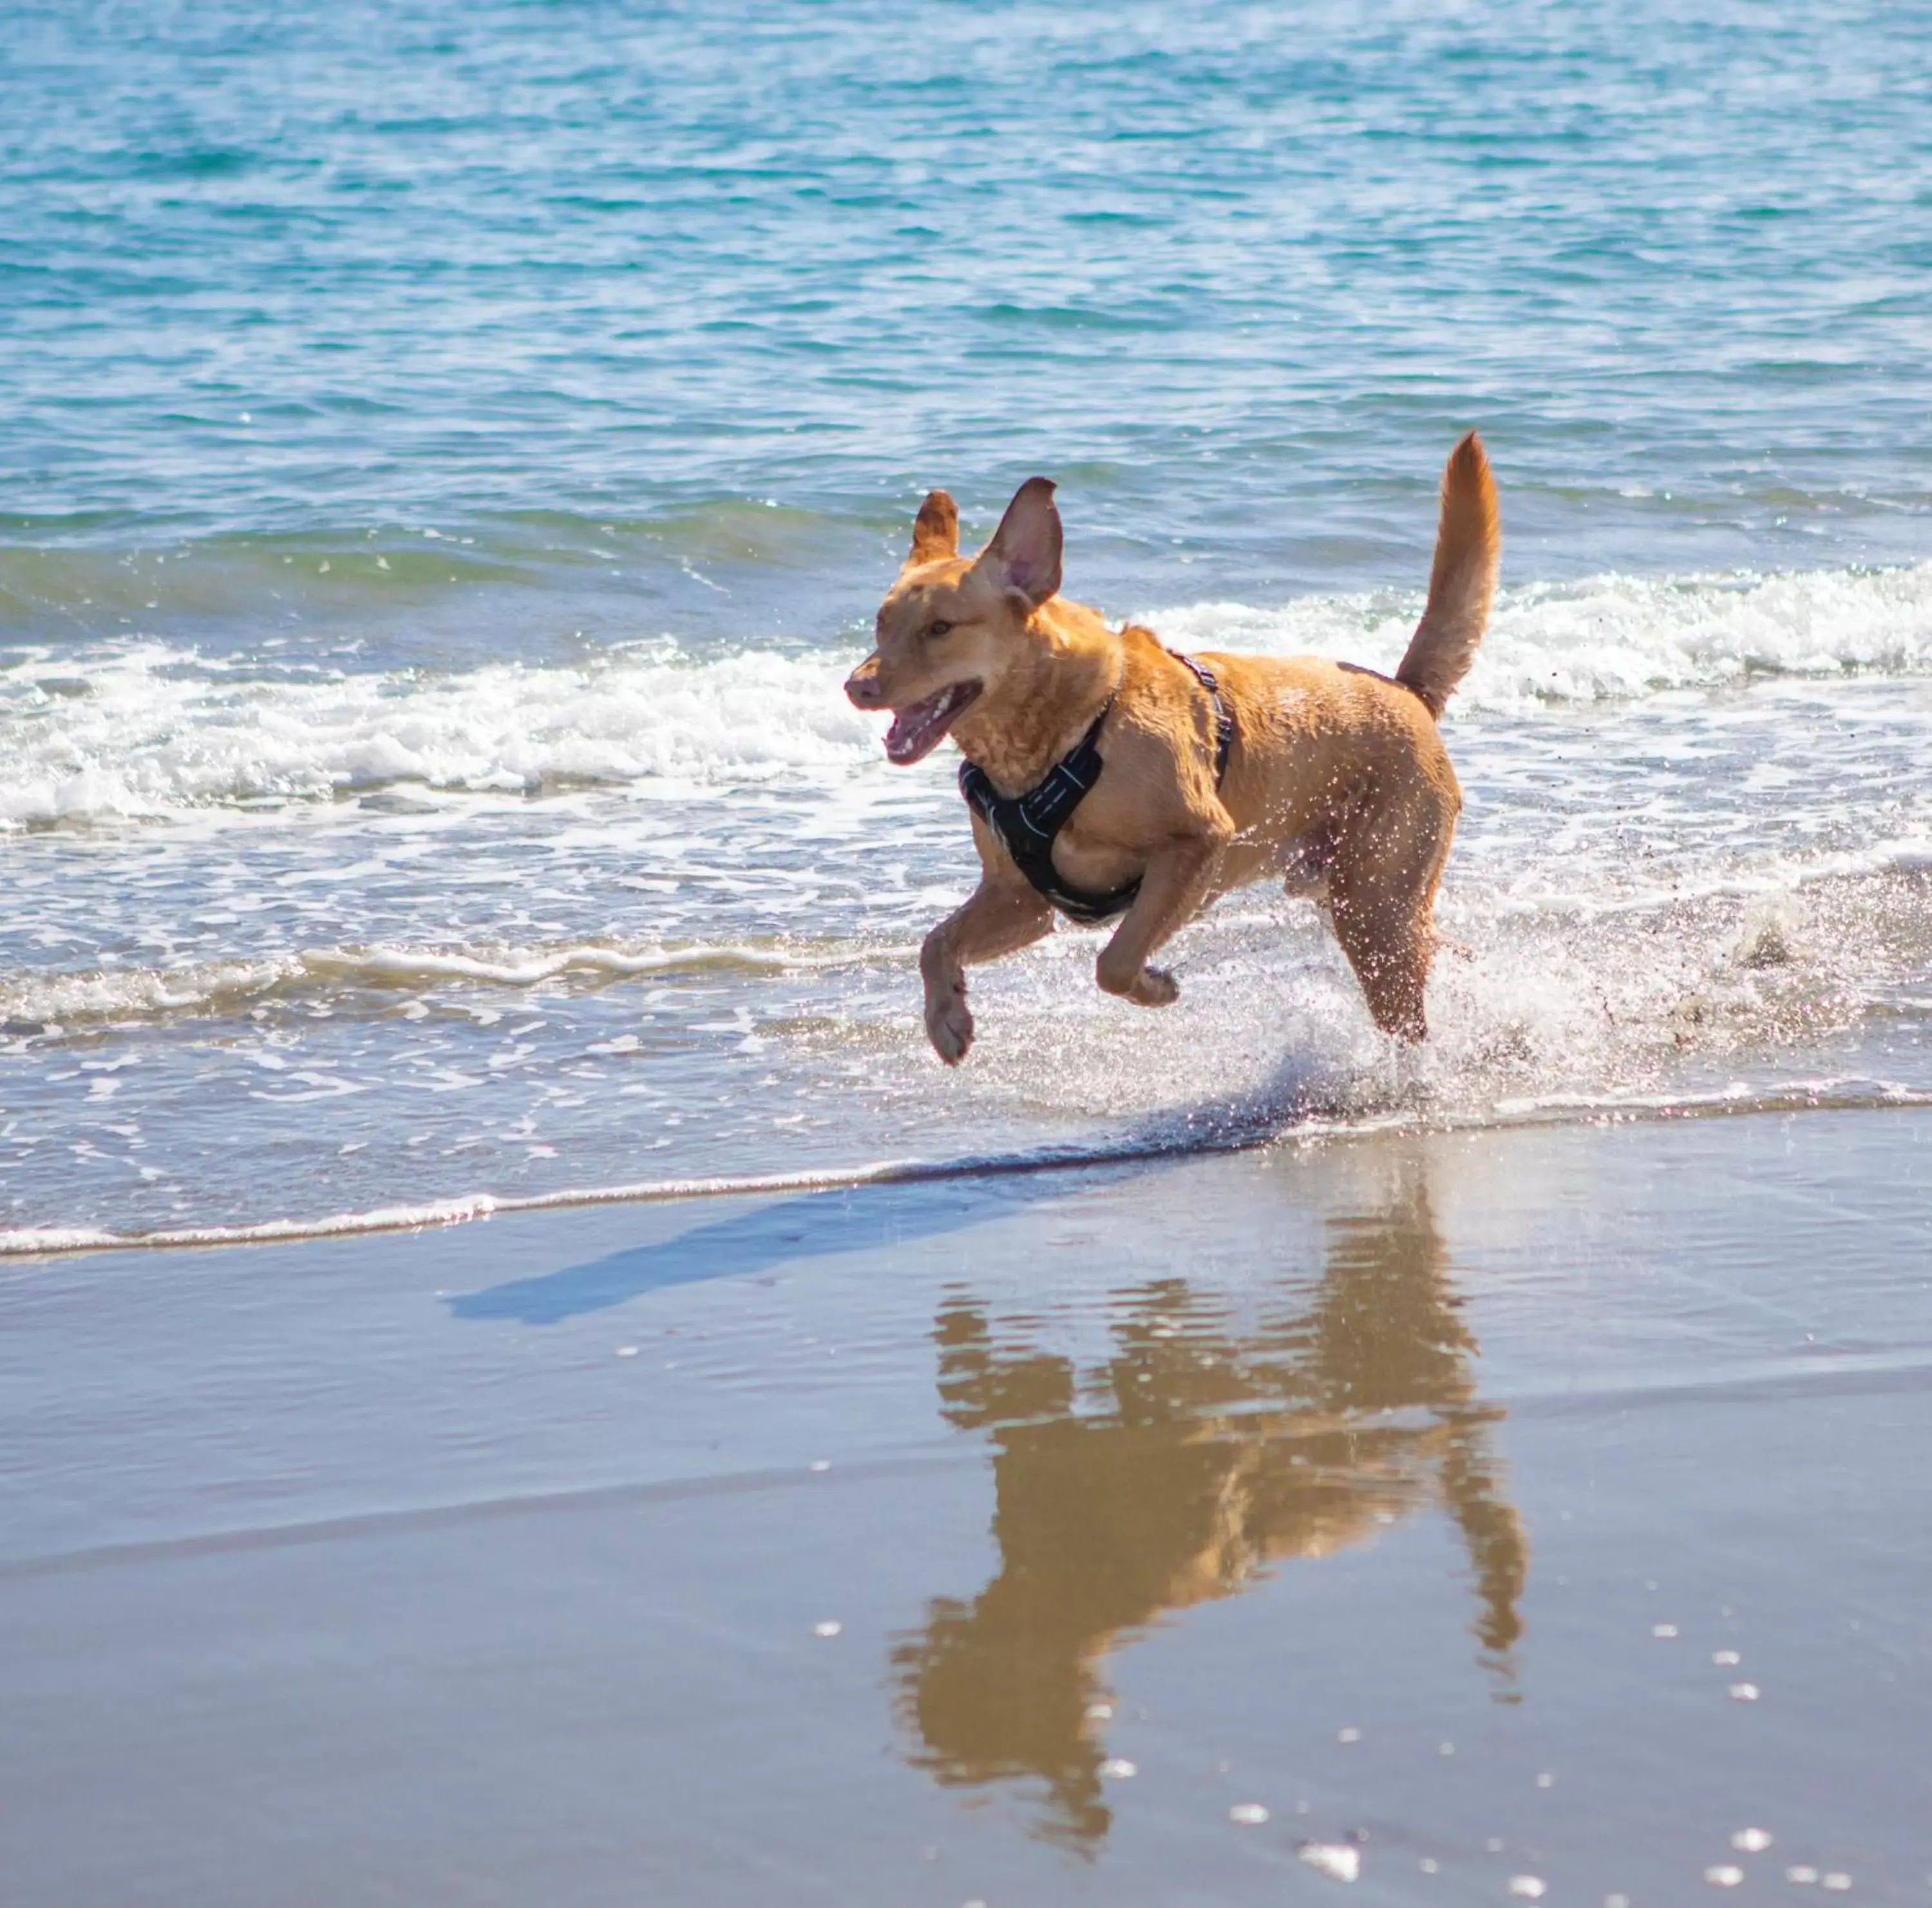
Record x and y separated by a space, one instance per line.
144 729
149 730
1613 636
118 995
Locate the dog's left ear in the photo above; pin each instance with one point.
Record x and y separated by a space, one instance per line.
935 530
1026 547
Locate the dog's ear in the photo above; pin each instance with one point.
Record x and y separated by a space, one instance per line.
1026 546
935 530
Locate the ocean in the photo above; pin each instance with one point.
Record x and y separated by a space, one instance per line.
452 458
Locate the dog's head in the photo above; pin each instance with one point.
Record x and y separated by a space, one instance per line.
951 626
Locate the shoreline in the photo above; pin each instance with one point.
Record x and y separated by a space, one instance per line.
30 1244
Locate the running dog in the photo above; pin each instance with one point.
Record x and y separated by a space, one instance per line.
1108 776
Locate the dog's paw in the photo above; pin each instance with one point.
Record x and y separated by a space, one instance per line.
949 1025
1152 987
1156 987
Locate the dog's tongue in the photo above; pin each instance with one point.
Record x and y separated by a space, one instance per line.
917 730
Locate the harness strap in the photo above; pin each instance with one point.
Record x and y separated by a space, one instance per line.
1026 825
1224 716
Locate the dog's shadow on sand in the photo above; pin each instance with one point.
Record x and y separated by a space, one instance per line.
924 1203
811 1225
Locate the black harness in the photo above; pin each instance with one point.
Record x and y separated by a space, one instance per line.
1025 825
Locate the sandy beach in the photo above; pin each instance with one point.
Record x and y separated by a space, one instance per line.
1498 1512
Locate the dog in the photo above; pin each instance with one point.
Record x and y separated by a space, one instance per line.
1106 776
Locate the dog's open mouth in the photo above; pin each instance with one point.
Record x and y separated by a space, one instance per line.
919 728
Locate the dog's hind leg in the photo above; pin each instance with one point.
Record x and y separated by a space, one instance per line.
1381 890
1304 861
1391 957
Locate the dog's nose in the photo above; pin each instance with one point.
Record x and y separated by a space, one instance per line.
863 685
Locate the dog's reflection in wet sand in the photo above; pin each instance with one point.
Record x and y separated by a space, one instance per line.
1197 1452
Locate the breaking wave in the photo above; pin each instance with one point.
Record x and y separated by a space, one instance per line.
1617 636
56 1001
114 732
151 731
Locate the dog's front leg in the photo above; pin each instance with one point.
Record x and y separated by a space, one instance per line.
999 918
1177 881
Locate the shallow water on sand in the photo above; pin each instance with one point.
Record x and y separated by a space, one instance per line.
1498 1514
452 462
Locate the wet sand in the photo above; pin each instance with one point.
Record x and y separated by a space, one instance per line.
1502 1511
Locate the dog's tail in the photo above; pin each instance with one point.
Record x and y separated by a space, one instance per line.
1468 545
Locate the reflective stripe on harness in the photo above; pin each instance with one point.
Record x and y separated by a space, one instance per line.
1026 825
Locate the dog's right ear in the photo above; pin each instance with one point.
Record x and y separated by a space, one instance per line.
935 530
1026 547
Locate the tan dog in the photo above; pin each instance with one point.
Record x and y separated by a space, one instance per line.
1336 779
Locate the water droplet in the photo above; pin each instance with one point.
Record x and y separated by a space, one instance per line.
1348 1735
627 1351
1743 1693
821 1464
830 1627
1100 1712
1725 1875
1341 1861
1117 1768
1663 1629
1531 1888
1429 1865
1801 1876
1546 1780
1445 1749
1248 1814
1752 1841
1725 1659
1837 1881
1616 1901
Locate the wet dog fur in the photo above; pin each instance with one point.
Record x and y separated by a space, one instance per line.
1337 785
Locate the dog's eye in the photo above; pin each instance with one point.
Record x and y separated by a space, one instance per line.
941 628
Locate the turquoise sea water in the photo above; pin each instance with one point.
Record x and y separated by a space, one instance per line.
451 456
